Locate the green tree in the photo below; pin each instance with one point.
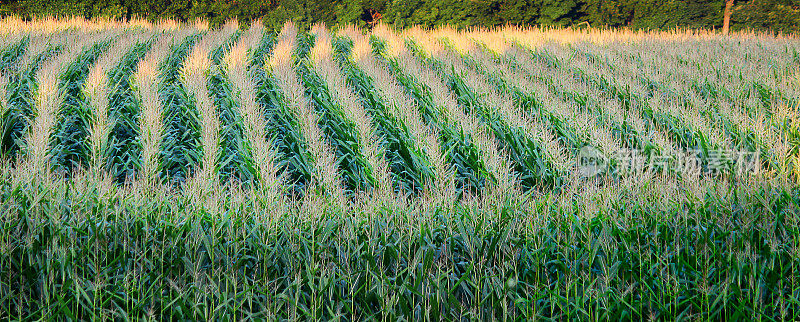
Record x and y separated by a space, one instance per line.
776 15
557 12
350 12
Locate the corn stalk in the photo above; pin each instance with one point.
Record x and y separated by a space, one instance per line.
396 120
179 144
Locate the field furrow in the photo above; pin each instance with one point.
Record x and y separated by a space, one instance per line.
196 73
179 143
411 146
216 171
469 147
324 175
368 150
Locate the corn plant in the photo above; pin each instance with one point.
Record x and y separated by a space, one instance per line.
70 144
462 151
233 161
533 165
319 160
123 152
10 54
735 129
657 261
409 164
257 153
339 130
413 175
20 89
182 129
291 154
196 74
43 136
371 150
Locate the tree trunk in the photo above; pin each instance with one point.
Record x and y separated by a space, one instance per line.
726 22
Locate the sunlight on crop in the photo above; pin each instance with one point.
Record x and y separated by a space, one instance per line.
170 169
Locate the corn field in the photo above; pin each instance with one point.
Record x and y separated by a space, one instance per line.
168 170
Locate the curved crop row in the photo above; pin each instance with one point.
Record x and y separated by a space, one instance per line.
148 81
257 155
181 134
471 150
369 152
121 151
21 88
410 146
98 88
196 74
538 158
324 177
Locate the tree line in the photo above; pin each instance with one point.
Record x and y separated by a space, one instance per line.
775 15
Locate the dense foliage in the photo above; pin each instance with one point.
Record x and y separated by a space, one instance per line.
778 15
144 255
176 172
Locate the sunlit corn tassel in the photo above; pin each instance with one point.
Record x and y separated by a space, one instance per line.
164 25
402 107
446 100
255 125
327 178
443 189
395 45
369 144
150 120
48 100
3 94
554 149
195 74
151 125
248 42
13 23
37 45
489 98
200 24
97 90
